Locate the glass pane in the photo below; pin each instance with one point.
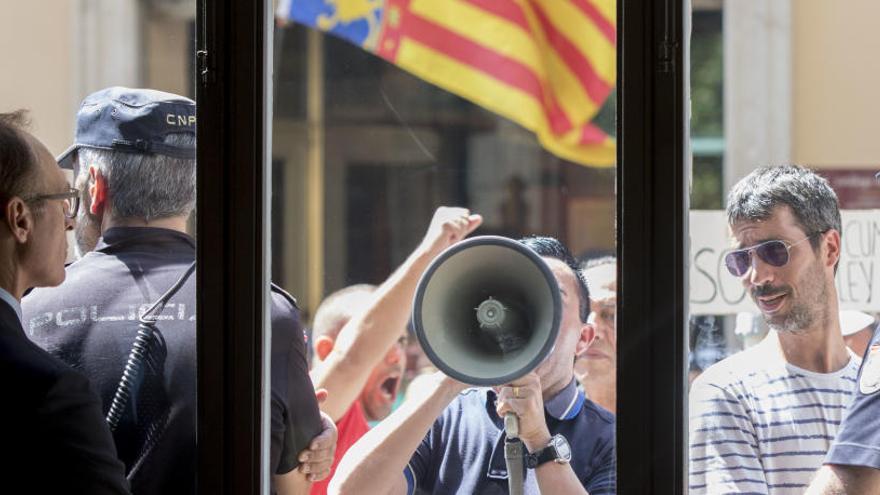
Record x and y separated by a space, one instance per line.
408 107
74 65
775 349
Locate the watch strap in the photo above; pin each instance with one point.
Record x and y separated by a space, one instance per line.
547 454
542 456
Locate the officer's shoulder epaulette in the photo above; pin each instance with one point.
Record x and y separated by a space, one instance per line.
286 295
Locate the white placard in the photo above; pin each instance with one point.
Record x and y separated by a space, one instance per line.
715 292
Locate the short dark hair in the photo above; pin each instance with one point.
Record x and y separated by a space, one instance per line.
549 247
809 196
17 157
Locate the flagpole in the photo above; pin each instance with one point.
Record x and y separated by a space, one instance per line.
315 168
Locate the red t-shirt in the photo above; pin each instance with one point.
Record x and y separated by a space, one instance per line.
351 426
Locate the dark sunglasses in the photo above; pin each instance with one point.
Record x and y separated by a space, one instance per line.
774 253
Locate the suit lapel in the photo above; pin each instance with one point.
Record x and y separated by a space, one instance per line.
9 318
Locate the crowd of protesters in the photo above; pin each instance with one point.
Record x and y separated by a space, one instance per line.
115 400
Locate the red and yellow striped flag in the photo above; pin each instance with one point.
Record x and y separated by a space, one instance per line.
546 64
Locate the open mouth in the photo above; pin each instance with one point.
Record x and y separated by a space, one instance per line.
771 304
389 387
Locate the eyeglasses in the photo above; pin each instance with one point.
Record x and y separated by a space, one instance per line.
71 197
775 253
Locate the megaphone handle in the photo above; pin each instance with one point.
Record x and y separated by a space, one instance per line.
513 455
511 425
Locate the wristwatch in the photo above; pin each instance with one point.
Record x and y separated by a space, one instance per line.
557 451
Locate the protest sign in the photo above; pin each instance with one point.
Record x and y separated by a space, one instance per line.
714 291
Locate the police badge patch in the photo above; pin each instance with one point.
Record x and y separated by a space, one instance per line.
869 382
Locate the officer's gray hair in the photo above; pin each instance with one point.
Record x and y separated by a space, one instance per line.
812 201
147 186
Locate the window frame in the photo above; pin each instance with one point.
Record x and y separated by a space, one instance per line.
233 95
652 201
233 220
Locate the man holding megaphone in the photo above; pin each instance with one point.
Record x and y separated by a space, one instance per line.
449 438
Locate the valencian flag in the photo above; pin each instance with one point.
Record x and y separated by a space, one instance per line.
546 64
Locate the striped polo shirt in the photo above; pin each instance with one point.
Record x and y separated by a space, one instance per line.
761 425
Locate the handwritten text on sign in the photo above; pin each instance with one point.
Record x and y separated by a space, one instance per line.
715 291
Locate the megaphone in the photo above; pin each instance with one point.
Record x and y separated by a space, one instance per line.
487 310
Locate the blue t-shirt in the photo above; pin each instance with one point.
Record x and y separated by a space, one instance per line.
464 450
858 439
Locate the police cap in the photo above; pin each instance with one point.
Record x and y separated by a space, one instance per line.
132 120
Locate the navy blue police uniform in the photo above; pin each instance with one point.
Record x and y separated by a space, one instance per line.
858 439
91 321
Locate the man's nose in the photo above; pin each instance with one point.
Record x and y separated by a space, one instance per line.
69 223
760 272
395 355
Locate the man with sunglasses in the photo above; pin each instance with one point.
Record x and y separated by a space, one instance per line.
135 159
50 411
762 420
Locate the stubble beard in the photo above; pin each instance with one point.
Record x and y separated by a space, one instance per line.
809 308
87 232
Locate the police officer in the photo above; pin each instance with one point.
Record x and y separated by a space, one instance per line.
134 161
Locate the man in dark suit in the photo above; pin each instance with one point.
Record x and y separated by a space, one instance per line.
52 435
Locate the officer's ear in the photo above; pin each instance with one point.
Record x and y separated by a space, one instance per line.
19 218
323 346
97 191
